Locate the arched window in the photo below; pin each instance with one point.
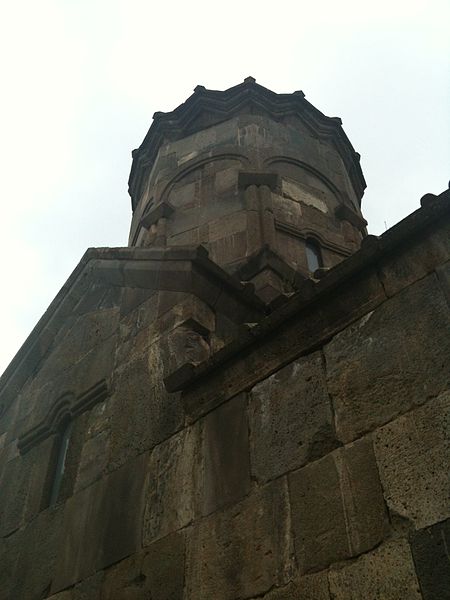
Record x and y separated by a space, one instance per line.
60 467
313 255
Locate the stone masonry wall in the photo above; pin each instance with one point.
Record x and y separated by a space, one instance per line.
310 466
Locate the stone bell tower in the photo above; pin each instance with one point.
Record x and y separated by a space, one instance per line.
266 182
250 401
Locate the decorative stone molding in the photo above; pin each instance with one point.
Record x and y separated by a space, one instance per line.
222 105
67 406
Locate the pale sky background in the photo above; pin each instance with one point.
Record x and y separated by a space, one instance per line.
82 78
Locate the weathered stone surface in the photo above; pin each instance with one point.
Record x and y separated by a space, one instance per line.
242 551
443 274
142 412
172 477
387 573
23 487
388 362
311 327
102 524
225 474
41 542
10 552
337 507
413 454
187 346
290 416
67 595
421 259
86 332
308 587
431 551
95 451
163 568
157 573
90 588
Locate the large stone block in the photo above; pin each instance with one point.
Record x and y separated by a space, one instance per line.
22 486
156 573
392 359
290 416
172 482
142 412
421 257
413 455
387 573
40 543
225 472
102 524
337 507
242 551
431 552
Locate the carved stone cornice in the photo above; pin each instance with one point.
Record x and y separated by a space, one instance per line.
222 105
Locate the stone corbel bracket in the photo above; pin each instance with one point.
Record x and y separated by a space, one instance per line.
155 213
344 213
67 406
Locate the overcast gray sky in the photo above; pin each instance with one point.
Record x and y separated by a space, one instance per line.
82 78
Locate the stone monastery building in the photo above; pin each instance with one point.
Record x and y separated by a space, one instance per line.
251 400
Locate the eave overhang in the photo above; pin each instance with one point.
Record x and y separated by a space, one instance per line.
223 105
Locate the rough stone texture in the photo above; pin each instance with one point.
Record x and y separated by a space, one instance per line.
337 507
102 524
308 587
156 574
172 476
431 552
139 415
291 421
413 454
387 573
242 551
388 361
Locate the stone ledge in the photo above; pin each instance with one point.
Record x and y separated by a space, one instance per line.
135 267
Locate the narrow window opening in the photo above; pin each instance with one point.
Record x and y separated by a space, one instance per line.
313 255
60 467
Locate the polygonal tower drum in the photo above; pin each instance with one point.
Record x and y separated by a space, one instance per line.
247 171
